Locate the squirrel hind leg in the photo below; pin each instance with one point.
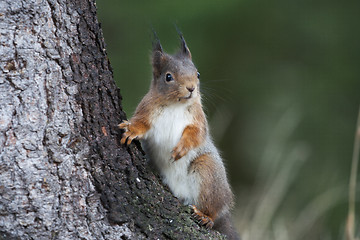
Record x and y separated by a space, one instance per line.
202 218
215 197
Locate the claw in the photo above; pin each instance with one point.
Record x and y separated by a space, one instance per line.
174 155
202 218
133 130
131 138
209 224
125 137
178 152
124 124
128 135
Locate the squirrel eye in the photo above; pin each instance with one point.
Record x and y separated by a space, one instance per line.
198 75
168 77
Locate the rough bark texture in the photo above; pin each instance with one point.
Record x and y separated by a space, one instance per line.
63 173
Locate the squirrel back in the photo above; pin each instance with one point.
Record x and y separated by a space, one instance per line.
172 127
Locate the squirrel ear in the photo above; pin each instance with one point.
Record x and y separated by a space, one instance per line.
184 48
158 61
158 56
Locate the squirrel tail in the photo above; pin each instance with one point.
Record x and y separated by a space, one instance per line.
225 226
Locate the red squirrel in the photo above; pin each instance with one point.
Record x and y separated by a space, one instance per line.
172 128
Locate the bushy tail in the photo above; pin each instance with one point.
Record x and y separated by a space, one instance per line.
225 226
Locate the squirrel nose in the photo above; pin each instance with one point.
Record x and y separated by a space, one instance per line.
191 89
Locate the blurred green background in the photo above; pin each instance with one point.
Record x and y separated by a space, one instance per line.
281 87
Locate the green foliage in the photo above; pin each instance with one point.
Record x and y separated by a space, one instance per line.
281 85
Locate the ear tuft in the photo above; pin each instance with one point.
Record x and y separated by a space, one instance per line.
184 48
156 42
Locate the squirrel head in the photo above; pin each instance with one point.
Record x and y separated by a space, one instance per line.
175 77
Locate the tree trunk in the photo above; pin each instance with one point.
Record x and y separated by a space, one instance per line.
63 173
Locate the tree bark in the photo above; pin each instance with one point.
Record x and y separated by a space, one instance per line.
63 173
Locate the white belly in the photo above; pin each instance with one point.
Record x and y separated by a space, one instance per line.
165 132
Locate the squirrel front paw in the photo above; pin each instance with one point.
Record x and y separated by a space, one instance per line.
131 133
179 151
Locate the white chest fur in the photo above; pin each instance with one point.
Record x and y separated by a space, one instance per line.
165 132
